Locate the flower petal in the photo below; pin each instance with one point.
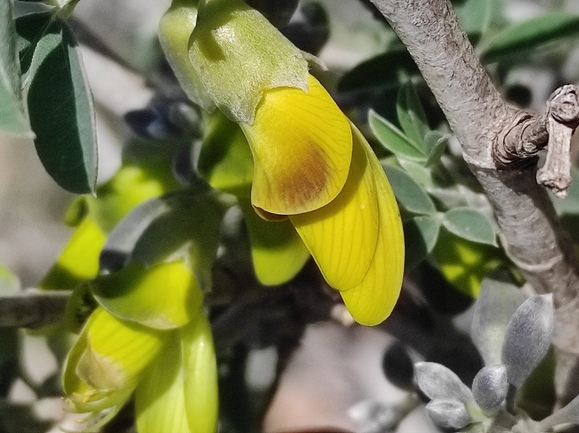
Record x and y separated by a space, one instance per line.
163 296
277 251
342 235
302 149
372 301
200 384
105 364
160 395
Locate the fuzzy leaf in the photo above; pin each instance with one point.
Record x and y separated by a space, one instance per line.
448 413
490 387
470 224
408 192
421 232
528 337
440 383
59 101
497 302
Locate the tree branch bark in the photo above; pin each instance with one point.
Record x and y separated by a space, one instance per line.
488 128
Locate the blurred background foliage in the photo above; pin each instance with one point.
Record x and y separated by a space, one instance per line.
149 139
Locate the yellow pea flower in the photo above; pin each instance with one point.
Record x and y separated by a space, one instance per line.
107 361
309 163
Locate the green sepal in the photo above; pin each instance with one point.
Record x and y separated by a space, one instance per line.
238 55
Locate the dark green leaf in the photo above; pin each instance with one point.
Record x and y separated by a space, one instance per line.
420 236
470 224
408 192
435 143
13 119
379 71
59 102
475 15
411 114
393 139
531 34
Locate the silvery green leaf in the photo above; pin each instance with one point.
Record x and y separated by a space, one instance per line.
528 337
439 382
490 387
566 415
448 413
497 302
374 417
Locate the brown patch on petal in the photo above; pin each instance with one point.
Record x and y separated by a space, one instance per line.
307 180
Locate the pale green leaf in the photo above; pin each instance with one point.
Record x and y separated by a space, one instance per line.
470 224
409 193
420 236
393 139
411 115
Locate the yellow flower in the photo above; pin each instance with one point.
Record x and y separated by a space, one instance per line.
148 336
309 163
339 200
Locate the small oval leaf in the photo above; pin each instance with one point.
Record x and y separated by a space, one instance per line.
448 414
439 382
408 192
528 337
490 387
470 224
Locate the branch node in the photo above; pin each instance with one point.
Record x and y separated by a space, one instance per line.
562 120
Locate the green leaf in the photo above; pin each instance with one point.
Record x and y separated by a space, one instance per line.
420 236
408 192
531 34
435 143
475 15
393 139
379 71
13 118
470 224
411 115
59 102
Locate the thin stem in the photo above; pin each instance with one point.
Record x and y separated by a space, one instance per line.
32 308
